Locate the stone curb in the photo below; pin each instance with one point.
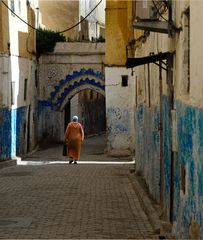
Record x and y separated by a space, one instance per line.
14 161
8 163
146 204
30 153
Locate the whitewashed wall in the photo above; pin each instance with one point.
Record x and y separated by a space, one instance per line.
18 120
5 89
120 111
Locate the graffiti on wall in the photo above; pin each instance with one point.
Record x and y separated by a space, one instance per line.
118 121
119 130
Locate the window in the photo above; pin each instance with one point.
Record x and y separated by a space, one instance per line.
12 3
25 89
19 7
124 80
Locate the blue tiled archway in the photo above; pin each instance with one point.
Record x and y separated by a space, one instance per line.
73 84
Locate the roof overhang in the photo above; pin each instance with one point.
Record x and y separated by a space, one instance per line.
154 26
134 62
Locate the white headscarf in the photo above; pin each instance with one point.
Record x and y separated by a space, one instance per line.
75 118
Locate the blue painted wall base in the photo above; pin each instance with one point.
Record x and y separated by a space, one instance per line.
12 132
188 202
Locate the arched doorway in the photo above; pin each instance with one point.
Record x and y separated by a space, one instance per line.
85 89
90 107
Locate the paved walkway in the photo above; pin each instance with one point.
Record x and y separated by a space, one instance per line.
46 198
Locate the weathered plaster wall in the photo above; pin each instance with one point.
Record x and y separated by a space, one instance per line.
5 90
182 139
148 148
13 132
50 123
17 114
189 110
188 205
4 30
119 99
118 31
5 133
119 111
147 116
17 99
196 67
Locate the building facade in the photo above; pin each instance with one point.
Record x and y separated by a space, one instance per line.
119 80
92 27
161 110
168 109
17 74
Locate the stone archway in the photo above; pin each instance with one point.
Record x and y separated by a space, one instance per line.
92 113
71 68
75 83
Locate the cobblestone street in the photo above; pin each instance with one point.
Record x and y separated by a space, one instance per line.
45 197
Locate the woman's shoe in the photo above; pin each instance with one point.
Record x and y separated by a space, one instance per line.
70 161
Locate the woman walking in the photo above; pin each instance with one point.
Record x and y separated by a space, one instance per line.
74 135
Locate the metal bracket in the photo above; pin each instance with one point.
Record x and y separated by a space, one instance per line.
166 69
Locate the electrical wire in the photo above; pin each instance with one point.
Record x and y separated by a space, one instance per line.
158 11
18 16
66 30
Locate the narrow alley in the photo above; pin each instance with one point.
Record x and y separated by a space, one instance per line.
130 69
45 197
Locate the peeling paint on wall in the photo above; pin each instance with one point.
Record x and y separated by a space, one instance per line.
119 111
190 153
188 205
12 132
167 148
118 129
147 150
5 134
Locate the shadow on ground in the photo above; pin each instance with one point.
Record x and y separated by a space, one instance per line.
93 149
